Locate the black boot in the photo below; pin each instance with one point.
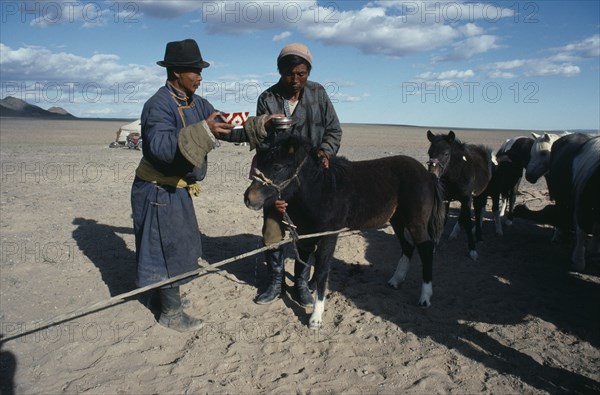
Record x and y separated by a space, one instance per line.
274 260
171 312
150 300
301 273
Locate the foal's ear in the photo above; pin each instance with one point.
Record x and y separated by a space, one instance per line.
535 135
430 136
451 136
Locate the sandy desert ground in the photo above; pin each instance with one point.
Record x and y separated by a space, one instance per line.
516 321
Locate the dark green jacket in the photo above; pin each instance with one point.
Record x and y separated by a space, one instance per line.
314 117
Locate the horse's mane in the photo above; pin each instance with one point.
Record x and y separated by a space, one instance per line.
458 146
332 178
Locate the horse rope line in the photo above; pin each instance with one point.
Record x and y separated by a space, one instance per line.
45 324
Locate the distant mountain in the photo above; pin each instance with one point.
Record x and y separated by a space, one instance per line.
13 107
58 110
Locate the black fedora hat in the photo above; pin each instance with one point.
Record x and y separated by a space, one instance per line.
183 54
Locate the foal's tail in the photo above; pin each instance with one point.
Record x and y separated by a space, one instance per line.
438 212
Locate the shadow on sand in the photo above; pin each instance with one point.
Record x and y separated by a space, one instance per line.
104 245
501 292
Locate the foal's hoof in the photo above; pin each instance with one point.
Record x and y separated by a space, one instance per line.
424 304
392 283
314 324
473 255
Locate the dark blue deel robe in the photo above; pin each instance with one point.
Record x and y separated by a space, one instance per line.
166 231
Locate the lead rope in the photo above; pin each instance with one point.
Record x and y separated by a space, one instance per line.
287 221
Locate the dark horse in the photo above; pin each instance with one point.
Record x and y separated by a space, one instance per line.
586 200
512 158
465 171
574 185
356 195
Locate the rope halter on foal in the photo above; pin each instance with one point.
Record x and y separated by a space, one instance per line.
287 221
260 177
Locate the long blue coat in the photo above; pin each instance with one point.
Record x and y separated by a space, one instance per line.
167 237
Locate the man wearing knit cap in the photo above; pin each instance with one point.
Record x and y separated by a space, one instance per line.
315 119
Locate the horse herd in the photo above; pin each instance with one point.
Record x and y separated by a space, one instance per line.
415 199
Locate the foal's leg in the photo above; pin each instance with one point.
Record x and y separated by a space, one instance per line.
323 255
479 205
512 198
465 221
497 212
425 248
404 262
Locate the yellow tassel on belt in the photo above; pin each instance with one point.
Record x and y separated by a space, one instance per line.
147 172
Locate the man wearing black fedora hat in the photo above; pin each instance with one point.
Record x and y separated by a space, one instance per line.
179 129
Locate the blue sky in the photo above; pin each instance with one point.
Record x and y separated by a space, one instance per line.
518 65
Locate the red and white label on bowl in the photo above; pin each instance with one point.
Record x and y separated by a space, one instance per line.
235 118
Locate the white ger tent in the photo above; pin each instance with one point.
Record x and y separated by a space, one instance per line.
125 130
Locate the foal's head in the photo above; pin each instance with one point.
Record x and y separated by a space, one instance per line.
440 151
277 171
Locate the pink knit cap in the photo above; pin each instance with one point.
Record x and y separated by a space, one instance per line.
296 49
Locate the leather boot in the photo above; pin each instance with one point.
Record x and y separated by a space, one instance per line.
274 260
301 273
171 312
150 300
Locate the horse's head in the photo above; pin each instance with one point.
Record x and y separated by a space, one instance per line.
439 151
277 171
539 161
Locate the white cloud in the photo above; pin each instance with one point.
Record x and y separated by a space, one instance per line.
471 29
446 75
376 28
501 75
100 85
373 32
469 47
38 75
562 61
509 65
393 28
586 48
544 69
282 36
535 67
163 9
447 11
88 15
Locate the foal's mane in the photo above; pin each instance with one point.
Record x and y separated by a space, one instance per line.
463 146
458 147
332 178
